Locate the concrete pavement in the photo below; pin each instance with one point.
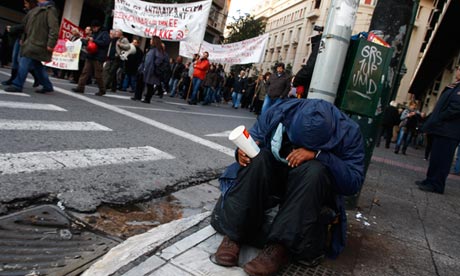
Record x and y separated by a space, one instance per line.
396 229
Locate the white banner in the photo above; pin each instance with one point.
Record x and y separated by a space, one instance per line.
66 55
172 22
247 51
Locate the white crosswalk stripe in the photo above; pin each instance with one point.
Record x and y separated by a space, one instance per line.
26 162
33 106
51 125
3 92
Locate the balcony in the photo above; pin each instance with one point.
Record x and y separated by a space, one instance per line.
313 14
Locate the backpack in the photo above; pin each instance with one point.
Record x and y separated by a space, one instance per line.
163 69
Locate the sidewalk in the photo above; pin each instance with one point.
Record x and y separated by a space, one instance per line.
395 230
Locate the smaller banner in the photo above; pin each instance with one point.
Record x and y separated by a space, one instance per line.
66 55
65 32
247 51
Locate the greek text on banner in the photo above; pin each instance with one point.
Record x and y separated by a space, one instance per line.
172 22
247 51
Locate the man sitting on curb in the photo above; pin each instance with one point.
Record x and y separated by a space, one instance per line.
311 154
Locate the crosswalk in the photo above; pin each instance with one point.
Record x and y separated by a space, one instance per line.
32 162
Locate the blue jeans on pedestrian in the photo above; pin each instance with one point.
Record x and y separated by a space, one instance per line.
173 86
404 137
196 87
15 55
236 99
25 65
269 102
129 80
210 94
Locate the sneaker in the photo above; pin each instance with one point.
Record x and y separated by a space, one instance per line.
12 89
7 82
429 188
227 253
268 262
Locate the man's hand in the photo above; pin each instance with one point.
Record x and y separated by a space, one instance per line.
8 28
298 156
49 49
243 159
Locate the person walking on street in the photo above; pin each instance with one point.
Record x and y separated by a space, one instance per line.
444 126
177 70
391 118
153 58
94 59
409 121
131 64
240 85
279 85
200 68
40 36
118 43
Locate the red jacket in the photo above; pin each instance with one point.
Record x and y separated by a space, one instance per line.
200 68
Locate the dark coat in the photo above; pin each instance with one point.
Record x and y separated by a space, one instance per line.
278 86
211 79
152 59
390 116
240 84
41 29
102 40
177 70
445 118
133 62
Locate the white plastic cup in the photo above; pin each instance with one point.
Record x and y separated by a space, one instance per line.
242 139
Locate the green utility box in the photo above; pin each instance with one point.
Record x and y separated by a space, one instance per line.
364 76
364 92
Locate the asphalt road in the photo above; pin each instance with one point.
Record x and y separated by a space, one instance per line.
85 150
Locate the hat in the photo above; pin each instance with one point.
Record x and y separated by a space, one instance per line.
96 23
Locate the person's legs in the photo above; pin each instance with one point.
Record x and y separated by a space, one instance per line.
150 91
126 82
406 141
440 162
240 213
25 64
399 140
196 86
85 74
457 161
267 103
98 76
42 76
238 99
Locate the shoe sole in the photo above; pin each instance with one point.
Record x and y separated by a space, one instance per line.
214 260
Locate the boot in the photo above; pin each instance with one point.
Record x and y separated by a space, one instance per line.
228 253
14 73
268 262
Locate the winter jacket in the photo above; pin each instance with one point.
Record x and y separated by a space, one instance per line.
445 118
133 62
41 29
102 40
152 59
391 116
278 85
201 67
240 84
211 79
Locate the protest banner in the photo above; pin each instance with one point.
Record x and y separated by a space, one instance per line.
65 32
65 55
171 22
247 51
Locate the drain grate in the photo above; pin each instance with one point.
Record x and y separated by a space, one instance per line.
45 241
298 269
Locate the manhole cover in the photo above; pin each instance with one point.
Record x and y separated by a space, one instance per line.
45 241
298 269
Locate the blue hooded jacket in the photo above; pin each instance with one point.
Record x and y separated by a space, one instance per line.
316 125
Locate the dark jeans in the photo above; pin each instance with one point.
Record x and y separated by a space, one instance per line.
387 133
301 193
26 64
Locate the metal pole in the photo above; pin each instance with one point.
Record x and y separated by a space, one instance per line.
333 50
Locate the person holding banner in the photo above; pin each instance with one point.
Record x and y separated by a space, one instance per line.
200 68
94 60
40 36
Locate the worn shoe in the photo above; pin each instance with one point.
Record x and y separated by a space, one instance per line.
36 84
12 89
429 188
228 253
7 82
100 93
268 262
135 99
43 91
144 101
419 182
76 90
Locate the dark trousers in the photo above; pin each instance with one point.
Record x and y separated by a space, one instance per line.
151 88
301 193
91 66
387 133
442 154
